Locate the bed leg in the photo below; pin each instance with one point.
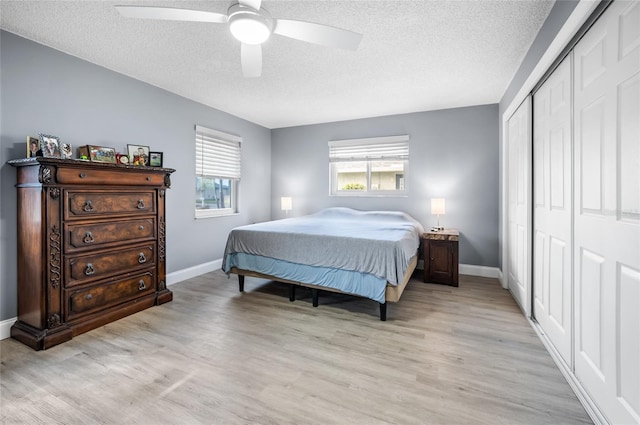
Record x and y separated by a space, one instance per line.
241 282
292 292
383 312
314 296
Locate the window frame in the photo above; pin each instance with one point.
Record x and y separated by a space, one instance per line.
368 150
232 173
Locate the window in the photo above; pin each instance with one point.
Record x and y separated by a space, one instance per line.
366 167
217 172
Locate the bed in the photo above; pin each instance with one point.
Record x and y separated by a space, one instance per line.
371 254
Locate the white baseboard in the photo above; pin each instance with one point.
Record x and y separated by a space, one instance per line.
482 271
5 328
501 279
585 399
194 271
469 269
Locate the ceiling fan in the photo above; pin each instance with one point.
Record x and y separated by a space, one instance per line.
252 25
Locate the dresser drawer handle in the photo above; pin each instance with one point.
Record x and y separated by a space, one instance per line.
89 270
88 238
83 175
141 285
88 297
148 178
140 205
88 206
141 258
141 227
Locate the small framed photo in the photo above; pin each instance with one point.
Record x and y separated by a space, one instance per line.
138 154
33 147
66 151
155 159
50 146
122 159
102 154
83 153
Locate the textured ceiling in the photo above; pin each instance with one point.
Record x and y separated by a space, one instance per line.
414 55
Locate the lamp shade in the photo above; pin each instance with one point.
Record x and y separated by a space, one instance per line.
437 206
286 204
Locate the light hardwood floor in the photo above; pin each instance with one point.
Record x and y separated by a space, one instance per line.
445 356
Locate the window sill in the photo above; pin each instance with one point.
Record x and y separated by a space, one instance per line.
200 214
369 195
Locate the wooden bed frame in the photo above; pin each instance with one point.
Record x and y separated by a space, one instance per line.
392 292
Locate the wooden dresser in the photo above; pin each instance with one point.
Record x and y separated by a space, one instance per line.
441 256
91 245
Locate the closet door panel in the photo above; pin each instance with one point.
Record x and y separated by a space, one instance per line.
629 347
519 195
592 129
629 169
590 314
606 218
552 182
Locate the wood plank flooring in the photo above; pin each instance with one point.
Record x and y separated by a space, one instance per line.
214 356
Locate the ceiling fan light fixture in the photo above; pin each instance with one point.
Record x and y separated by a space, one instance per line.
249 26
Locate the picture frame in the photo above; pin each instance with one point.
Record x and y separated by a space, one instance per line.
138 155
66 151
122 159
33 147
155 159
83 153
50 145
102 154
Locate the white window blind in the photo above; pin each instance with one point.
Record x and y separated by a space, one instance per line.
217 154
382 148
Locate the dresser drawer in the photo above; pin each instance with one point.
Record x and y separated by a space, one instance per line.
84 236
83 204
122 177
89 300
87 268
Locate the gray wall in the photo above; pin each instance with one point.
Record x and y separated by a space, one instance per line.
453 154
46 91
558 15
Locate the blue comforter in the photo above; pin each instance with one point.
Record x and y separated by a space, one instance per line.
376 243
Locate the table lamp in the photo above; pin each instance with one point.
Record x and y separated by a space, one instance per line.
437 208
286 204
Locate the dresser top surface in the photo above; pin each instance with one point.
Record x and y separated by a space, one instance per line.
61 162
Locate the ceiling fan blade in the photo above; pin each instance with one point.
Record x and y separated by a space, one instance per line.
323 35
171 14
251 57
251 3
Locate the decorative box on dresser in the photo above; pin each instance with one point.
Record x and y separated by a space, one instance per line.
440 250
91 245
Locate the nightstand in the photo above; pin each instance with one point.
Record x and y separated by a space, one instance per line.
440 249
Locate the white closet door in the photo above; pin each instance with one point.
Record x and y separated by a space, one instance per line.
552 195
607 212
519 195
